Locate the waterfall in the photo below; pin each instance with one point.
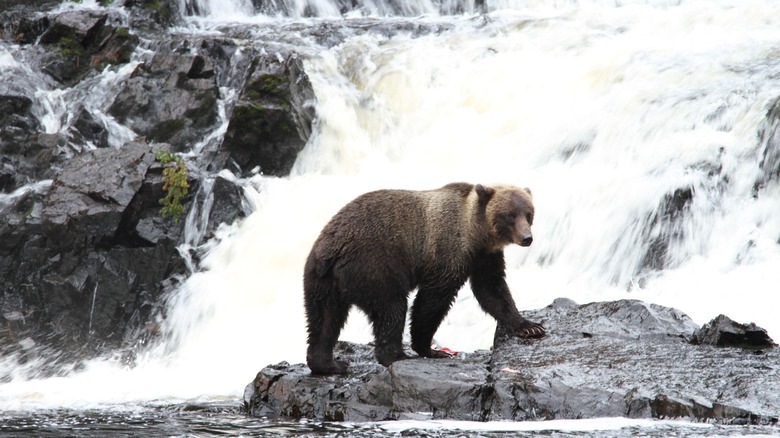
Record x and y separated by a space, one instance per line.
384 8
216 8
643 155
646 132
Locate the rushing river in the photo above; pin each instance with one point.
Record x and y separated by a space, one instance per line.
635 123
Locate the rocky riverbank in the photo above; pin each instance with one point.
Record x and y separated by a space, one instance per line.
624 358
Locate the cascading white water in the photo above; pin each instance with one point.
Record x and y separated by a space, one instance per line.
217 8
600 117
604 112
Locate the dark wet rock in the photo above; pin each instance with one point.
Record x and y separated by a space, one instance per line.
153 14
88 129
74 266
723 332
411 389
272 120
664 229
81 27
627 358
82 42
26 153
769 139
85 254
97 185
624 358
23 21
16 151
25 4
22 27
171 99
227 205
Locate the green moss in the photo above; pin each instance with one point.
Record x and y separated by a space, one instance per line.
70 47
268 85
250 120
247 114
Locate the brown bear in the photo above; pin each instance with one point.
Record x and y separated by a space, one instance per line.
384 244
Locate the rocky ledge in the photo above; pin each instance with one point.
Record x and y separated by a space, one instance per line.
610 359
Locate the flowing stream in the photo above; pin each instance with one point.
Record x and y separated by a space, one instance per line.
636 124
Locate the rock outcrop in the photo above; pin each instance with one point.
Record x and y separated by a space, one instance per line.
272 119
87 98
624 358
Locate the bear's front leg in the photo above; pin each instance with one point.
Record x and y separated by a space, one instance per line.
488 283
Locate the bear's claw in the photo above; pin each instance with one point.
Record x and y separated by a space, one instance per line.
535 331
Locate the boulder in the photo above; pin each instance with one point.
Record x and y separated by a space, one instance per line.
632 359
82 42
74 267
769 139
272 120
723 332
22 159
172 98
623 358
411 389
153 14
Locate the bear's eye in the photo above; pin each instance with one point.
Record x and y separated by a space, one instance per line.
530 219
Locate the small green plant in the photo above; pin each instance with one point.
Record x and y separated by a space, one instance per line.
175 185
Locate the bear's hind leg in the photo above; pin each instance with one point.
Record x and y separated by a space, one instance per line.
388 321
326 318
428 311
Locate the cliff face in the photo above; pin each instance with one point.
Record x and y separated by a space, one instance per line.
90 97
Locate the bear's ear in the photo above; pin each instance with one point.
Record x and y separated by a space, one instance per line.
484 193
527 190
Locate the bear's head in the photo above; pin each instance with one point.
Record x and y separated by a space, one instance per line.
509 214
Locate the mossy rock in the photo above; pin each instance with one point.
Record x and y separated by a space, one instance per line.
83 42
268 86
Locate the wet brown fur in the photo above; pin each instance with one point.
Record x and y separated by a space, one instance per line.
384 244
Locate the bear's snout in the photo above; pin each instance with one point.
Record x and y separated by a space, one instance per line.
526 240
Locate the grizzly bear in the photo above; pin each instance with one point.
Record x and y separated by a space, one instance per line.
381 246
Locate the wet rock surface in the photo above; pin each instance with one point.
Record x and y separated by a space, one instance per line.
75 272
624 358
272 120
172 98
89 96
723 332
